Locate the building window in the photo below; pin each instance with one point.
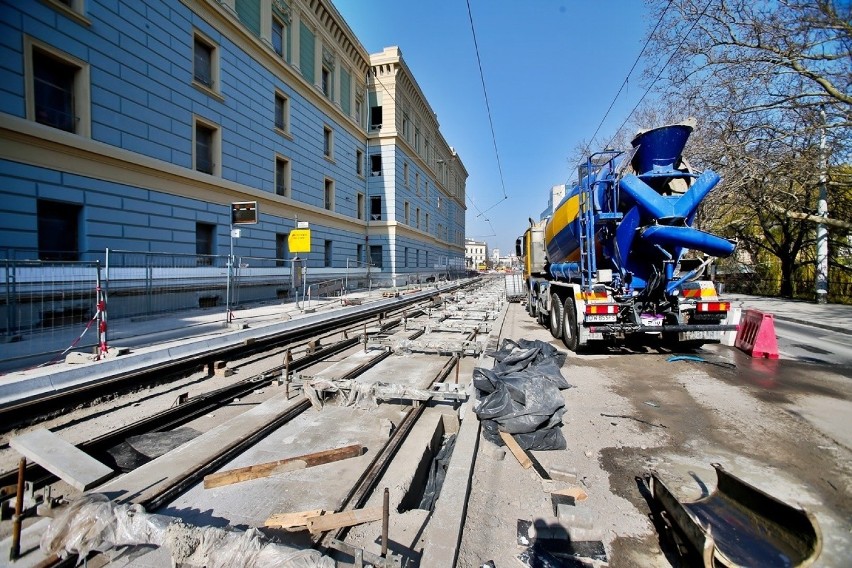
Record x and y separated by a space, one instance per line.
206 147
439 202
281 248
58 93
406 216
359 112
282 176
281 38
375 208
327 82
329 194
417 183
359 162
327 257
375 117
417 258
205 68
58 230
72 8
405 173
282 113
328 142
205 234
375 164
426 228
376 255
417 217
405 258
360 205
405 126
359 254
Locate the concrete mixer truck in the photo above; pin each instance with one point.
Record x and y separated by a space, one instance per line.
611 263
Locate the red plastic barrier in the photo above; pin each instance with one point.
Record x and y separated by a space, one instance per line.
756 335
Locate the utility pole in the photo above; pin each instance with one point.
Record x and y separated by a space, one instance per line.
822 230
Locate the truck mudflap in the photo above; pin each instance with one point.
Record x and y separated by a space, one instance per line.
738 525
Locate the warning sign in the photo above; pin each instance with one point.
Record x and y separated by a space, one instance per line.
299 240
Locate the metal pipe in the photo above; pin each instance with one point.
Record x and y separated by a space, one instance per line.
385 516
19 509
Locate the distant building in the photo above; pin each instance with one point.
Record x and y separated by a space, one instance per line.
475 252
495 255
557 194
136 125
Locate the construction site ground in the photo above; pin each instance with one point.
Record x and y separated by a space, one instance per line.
785 426
781 425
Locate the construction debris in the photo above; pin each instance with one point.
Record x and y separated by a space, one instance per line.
368 395
738 525
95 523
323 523
280 466
520 395
292 521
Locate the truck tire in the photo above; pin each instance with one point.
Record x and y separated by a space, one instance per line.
531 303
570 330
555 316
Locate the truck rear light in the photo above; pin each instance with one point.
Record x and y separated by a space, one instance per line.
713 306
601 308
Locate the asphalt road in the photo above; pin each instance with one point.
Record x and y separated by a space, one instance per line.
812 344
784 426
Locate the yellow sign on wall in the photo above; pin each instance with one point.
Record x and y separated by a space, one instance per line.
299 240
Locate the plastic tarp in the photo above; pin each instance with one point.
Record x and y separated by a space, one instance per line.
521 395
95 523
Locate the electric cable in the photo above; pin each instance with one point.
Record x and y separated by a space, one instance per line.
487 105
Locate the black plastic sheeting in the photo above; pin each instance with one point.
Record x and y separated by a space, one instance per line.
520 395
437 473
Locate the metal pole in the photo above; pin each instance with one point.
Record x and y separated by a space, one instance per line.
385 519
19 509
822 230
228 283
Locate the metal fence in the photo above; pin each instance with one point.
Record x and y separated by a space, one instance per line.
51 305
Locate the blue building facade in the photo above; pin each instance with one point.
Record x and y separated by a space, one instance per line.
135 126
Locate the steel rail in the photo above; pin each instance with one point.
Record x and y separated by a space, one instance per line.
363 488
13 414
178 415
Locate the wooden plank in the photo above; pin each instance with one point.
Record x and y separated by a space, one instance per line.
290 520
516 450
61 458
344 519
287 464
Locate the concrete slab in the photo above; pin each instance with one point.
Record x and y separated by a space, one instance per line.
140 483
61 458
444 533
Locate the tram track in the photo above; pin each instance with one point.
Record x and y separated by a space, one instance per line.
161 495
199 405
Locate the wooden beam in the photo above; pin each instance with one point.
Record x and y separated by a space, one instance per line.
344 519
516 450
292 520
287 464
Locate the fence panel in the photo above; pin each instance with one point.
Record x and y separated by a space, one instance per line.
50 303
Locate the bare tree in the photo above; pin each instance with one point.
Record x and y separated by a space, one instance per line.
757 73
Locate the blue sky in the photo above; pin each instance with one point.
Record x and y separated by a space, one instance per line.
551 71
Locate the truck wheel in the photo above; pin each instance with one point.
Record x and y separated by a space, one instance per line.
531 302
570 330
555 316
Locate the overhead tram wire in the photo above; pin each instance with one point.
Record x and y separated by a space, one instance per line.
487 108
481 214
627 77
660 74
